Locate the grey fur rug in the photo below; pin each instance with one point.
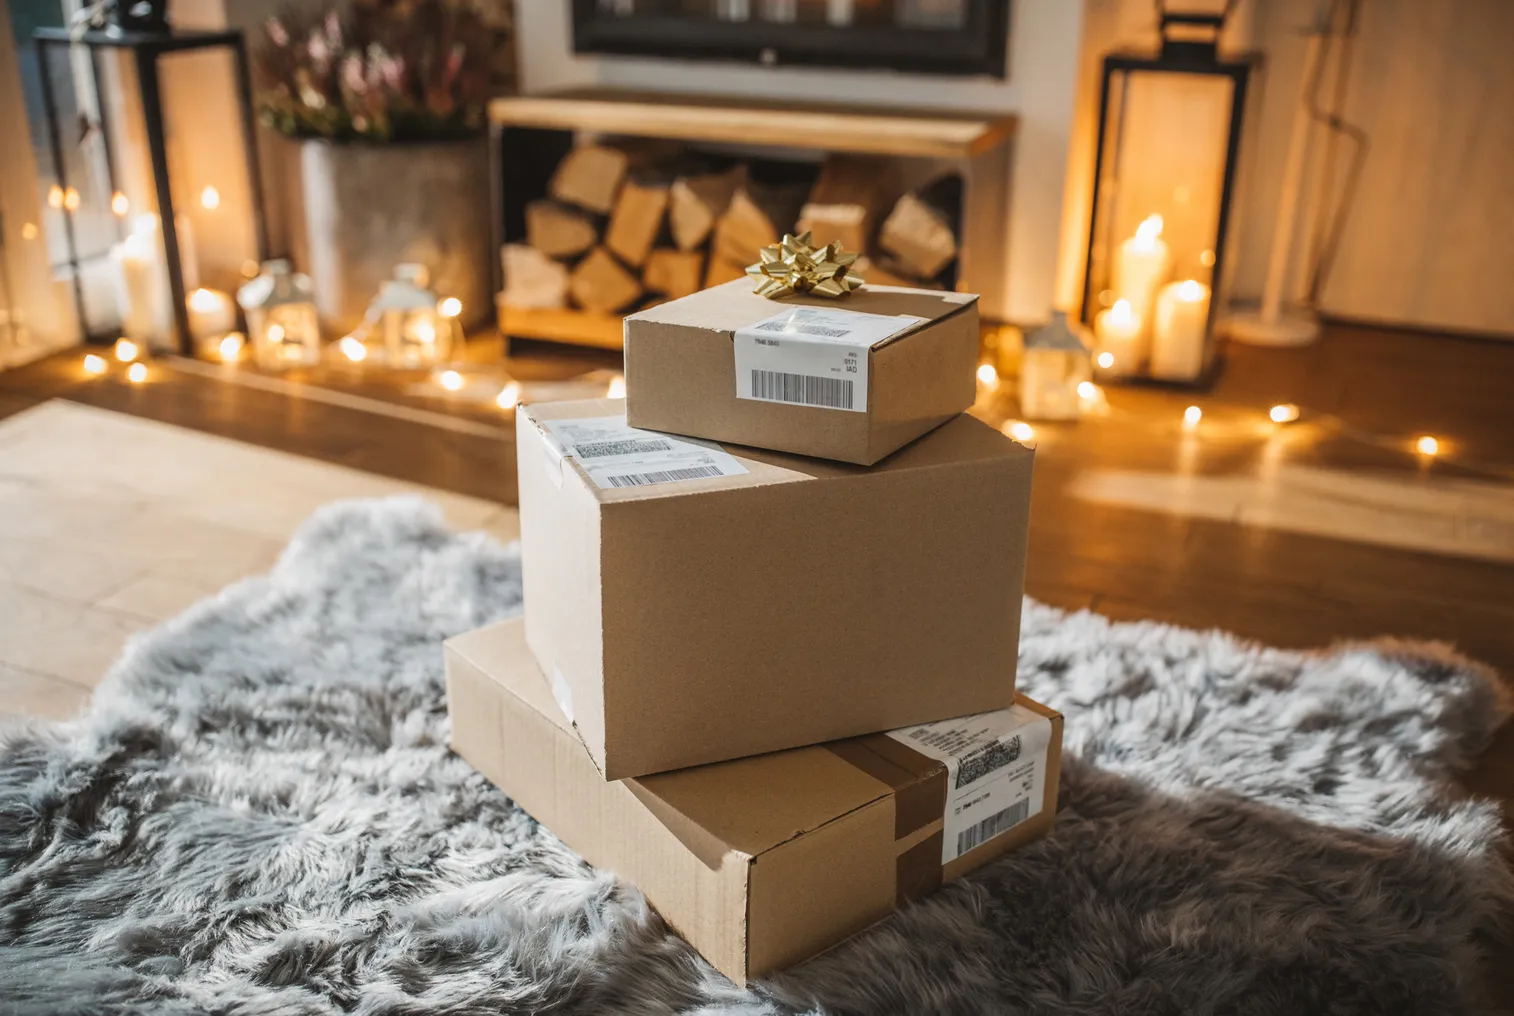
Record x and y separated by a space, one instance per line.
260 815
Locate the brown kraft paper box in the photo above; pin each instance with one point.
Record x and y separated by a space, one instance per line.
794 602
760 862
687 360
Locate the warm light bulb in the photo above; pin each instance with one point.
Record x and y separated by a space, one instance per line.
1285 412
1087 390
450 307
119 205
1191 417
987 375
450 380
1427 445
126 350
210 198
353 349
509 396
1019 430
94 365
136 373
1149 229
275 333
230 347
55 196
71 200
617 389
1105 360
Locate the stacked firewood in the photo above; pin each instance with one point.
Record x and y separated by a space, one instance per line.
618 229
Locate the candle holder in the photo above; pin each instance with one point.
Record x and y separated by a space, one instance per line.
1165 164
415 331
281 318
1055 362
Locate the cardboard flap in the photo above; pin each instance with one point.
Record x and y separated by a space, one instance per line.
753 804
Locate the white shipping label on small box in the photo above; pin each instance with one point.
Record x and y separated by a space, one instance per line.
995 772
616 455
812 356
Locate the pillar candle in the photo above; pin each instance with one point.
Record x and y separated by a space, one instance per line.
141 284
1141 265
211 313
1177 339
1118 332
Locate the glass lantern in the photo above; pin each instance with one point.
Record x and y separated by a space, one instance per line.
281 317
1054 364
1164 172
416 334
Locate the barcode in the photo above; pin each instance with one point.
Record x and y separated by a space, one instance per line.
665 476
998 822
803 329
978 764
599 449
802 389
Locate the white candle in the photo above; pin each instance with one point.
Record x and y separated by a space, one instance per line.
1182 321
211 312
1141 266
141 283
1119 333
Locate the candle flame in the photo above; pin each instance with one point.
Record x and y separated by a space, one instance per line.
1192 291
119 205
450 307
1105 360
1149 229
230 347
1087 390
509 396
1122 313
210 199
203 300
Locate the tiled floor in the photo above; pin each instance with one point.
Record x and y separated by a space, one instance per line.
110 523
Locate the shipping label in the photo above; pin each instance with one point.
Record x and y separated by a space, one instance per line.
616 455
995 772
812 356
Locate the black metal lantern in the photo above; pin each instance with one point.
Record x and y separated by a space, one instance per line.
1164 175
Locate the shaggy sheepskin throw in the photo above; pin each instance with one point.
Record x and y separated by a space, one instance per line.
259 814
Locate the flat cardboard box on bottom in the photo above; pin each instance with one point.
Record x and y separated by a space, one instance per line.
764 861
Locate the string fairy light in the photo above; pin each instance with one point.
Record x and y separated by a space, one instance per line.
126 350
450 380
1283 412
136 373
987 374
1105 360
509 396
1427 446
1191 417
352 348
94 364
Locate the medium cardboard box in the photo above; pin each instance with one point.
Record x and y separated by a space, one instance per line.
762 862
851 379
772 600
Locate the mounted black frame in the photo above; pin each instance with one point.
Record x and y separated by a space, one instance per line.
979 47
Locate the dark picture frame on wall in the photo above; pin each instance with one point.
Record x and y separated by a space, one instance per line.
960 38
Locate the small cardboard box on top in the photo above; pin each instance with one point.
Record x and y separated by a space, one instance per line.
692 603
762 862
851 379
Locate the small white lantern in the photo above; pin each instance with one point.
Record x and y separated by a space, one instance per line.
416 333
1055 362
281 317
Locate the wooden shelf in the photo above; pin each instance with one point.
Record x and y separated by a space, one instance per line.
696 118
580 327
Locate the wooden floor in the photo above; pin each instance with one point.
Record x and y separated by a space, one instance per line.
1334 528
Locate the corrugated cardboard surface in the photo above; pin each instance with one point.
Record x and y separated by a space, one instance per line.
800 602
680 372
760 862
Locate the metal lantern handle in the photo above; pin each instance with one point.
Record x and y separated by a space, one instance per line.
1203 38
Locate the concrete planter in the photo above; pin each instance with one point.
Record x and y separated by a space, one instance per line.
357 210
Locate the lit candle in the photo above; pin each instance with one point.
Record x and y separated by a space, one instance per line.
141 279
1118 332
1182 321
211 312
1142 265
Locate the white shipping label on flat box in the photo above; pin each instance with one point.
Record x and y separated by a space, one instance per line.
995 772
617 455
812 356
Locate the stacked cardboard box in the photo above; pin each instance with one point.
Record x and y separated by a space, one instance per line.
770 682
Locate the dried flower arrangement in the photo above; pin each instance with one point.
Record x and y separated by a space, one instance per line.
376 70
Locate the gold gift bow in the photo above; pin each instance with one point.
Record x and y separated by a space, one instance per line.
795 266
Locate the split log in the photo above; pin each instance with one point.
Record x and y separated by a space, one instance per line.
921 231
600 283
848 200
532 279
589 176
637 219
696 202
759 214
721 270
557 230
673 273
